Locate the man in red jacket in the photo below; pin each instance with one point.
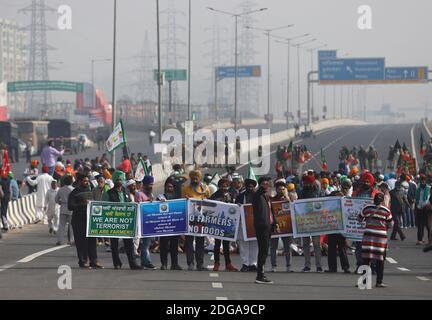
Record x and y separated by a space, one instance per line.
125 165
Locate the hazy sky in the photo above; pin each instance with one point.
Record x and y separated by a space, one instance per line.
400 33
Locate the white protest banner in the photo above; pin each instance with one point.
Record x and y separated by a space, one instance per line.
117 138
214 219
351 208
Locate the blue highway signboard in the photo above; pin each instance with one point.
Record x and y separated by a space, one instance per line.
242 72
406 74
360 70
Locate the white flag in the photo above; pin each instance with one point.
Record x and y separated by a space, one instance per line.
141 171
117 138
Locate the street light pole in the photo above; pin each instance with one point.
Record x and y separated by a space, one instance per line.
236 16
114 114
189 61
288 42
268 34
159 73
311 50
298 74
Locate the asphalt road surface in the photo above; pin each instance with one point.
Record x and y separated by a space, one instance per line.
29 269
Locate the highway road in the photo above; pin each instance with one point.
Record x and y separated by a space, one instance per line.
28 267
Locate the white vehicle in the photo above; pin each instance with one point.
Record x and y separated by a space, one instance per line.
87 142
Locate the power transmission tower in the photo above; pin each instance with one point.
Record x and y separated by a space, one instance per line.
249 88
173 48
218 55
38 56
146 85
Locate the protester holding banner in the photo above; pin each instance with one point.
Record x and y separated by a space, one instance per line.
169 244
248 249
281 195
195 190
264 223
337 242
310 191
146 262
77 203
374 245
223 195
118 194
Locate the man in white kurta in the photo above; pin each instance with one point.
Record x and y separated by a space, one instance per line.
43 183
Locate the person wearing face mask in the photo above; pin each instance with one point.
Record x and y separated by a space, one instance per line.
146 263
169 244
195 190
77 203
310 191
281 195
264 223
119 194
223 195
248 249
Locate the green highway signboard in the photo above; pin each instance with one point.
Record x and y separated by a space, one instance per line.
172 74
45 86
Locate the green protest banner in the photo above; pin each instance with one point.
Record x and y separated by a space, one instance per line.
112 219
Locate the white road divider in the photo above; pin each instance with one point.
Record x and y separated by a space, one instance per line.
22 211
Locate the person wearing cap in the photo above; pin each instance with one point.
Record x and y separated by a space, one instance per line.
309 191
179 178
248 249
281 195
169 244
53 209
392 180
398 202
223 195
325 187
195 190
337 242
77 203
264 223
65 214
119 194
49 156
146 262
423 208
43 183
208 178
378 220
32 172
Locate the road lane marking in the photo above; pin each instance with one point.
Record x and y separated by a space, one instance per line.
214 275
391 260
212 257
423 278
221 298
217 285
210 266
414 153
376 137
427 129
404 269
7 266
41 253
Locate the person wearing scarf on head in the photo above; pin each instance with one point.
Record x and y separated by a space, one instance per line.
118 194
196 189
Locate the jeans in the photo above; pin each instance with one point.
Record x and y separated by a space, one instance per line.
51 170
226 251
199 250
358 253
397 228
263 237
422 219
145 252
336 245
287 250
317 251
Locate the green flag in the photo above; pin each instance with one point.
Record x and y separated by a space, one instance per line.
117 138
251 173
141 171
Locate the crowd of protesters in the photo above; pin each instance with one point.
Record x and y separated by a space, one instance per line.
400 201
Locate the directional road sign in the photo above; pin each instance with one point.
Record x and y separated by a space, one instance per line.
172 74
363 70
406 74
326 54
242 72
